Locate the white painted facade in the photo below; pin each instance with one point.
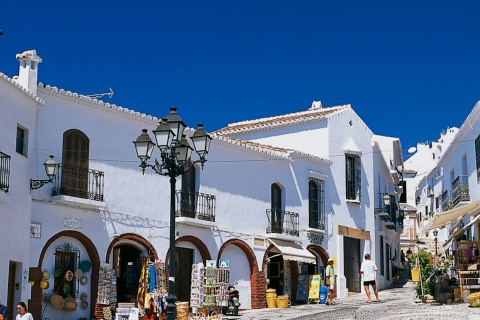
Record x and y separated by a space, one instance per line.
239 173
332 136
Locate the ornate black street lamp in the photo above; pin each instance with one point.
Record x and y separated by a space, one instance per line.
51 168
435 234
175 152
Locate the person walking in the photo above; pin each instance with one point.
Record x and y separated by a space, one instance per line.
369 271
330 281
3 311
23 314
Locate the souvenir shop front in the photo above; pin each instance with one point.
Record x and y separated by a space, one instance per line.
286 263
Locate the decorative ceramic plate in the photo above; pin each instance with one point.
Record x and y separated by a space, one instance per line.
84 297
66 288
85 265
44 298
78 272
69 275
46 275
84 279
84 304
58 273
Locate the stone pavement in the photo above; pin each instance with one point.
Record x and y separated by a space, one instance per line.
397 303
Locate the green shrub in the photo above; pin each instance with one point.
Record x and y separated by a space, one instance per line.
426 268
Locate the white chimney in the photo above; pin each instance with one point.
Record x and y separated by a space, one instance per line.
316 105
28 73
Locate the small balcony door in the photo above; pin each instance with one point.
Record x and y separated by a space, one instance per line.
188 193
276 206
75 155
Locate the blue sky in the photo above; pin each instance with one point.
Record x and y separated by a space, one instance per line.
410 69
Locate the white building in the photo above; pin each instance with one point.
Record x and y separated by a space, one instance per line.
19 109
456 196
277 198
363 170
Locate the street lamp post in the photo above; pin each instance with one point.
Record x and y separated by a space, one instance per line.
435 234
175 154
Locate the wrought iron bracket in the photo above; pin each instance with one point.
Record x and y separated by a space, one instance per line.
37 184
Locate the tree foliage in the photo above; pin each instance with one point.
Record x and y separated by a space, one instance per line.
426 269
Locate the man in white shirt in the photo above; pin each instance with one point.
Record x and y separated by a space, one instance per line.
369 270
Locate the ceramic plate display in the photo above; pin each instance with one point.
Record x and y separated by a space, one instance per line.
85 265
84 297
45 298
78 272
84 304
46 275
84 279
58 273
69 275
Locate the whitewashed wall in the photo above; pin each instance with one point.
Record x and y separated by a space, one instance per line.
16 108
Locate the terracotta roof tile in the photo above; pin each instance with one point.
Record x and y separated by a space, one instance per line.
14 83
271 150
279 121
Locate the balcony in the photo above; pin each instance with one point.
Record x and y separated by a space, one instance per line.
4 172
283 222
446 201
195 205
78 182
460 191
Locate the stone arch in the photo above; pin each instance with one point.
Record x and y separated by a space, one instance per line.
257 278
197 243
322 253
35 303
135 238
202 248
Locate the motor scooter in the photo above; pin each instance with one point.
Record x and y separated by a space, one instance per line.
233 301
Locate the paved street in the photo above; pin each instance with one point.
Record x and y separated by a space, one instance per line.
397 303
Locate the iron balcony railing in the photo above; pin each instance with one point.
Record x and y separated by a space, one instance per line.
79 182
446 203
4 172
460 190
395 215
195 205
283 222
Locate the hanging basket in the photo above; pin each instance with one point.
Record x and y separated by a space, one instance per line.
57 301
70 304
182 315
282 301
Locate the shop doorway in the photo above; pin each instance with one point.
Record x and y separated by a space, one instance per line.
183 273
276 274
126 262
12 274
351 249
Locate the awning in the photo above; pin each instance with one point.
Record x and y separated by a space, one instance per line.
460 231
446 217
293 251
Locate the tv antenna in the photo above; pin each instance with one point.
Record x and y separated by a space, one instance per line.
99 95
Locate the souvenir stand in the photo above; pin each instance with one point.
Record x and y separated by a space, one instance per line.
209 291
467 255
151 294
107 290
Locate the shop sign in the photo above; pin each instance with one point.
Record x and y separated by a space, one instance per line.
408 223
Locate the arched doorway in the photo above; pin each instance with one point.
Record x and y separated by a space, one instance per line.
127 266
129 254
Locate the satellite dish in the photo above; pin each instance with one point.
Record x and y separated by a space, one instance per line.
412 150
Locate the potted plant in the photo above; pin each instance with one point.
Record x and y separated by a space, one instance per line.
463 188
